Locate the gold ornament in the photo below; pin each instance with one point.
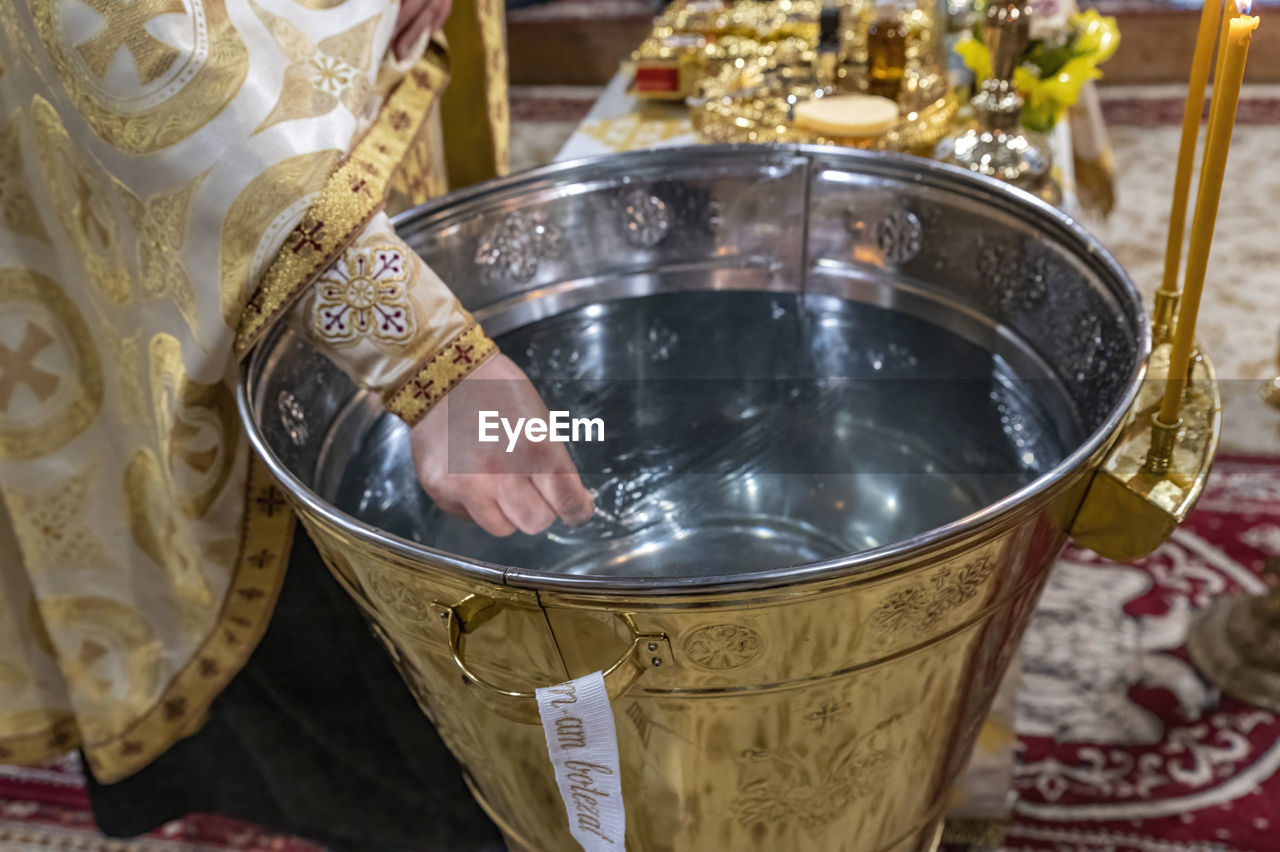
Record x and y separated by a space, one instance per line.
125 26
174 95
77 188
161 224
51 526
321 75
50 378
17 210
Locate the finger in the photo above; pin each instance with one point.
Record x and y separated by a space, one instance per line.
409 10
406 40
567 496
485 512
521 502
439 14
452 508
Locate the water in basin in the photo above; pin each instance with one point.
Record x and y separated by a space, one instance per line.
746 431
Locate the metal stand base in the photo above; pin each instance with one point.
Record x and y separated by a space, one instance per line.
1236 645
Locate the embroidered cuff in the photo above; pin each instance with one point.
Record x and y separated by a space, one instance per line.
364 295
382 315
439 374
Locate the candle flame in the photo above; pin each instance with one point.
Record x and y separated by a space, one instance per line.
1243 6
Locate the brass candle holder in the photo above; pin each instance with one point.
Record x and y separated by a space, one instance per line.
1156 472
1163 316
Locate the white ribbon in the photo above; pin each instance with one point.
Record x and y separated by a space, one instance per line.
583 746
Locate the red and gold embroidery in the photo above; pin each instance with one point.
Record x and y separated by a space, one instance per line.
439 374
363 295
351 196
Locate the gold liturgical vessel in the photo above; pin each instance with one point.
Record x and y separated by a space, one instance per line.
855 405
851 47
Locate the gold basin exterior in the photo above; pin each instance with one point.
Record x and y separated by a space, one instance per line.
828 715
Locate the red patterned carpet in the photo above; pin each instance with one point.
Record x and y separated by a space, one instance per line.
46 808
1124 747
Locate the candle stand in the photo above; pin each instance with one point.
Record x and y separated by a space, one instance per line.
999 146
1236 644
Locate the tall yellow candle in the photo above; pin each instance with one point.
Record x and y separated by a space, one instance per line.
1230 12
1194 106
1226 96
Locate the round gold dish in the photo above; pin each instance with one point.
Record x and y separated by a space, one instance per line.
742 107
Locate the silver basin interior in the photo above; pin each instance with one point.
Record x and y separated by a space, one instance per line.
800 355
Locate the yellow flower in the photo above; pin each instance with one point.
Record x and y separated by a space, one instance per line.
1045 102
1098 36
1025 80
1064 87
976 57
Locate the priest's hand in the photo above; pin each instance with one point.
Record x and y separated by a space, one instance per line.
526 489
417 17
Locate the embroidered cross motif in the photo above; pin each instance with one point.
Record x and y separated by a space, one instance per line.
126 26
307 237
271 502
463 355
358 186
17 366
399 120
363 295
422 390
261 558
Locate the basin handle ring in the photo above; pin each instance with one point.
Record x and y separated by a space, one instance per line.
646 650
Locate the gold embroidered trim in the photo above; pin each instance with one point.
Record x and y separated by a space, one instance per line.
440 373
351 196
266 536
54 736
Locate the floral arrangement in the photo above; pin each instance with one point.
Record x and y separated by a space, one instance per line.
1064 51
